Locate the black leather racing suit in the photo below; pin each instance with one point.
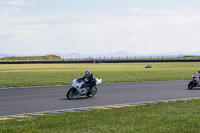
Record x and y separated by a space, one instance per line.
91 81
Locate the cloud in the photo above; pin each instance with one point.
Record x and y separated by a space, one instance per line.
97 33
132 34
142 11
18 3
32 26
9 10
12 16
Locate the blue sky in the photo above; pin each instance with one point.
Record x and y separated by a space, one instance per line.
99 26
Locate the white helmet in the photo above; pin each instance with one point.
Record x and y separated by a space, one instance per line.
87 73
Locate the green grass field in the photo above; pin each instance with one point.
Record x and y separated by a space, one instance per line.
172 117
17 75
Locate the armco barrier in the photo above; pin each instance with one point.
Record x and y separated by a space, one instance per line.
101 61
146 61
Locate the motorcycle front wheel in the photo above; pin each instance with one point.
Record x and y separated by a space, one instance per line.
190 85
71 93
93 92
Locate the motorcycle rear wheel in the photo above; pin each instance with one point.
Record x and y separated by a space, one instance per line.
93 92
190 85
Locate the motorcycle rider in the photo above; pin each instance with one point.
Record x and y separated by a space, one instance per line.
91 79
197 75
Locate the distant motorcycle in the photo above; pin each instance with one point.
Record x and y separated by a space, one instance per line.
193 83
78 90
148 66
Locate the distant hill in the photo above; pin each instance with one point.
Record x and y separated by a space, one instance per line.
7 55
47 57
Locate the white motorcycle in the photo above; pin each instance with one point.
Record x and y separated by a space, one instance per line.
78 90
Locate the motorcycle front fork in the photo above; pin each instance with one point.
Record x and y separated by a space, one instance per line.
195 83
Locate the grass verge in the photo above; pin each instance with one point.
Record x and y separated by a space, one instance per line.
21 75
173 117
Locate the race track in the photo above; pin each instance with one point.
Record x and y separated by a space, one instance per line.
36 99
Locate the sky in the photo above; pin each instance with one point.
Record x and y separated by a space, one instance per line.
99 26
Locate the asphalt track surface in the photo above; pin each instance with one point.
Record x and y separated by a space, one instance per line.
37 99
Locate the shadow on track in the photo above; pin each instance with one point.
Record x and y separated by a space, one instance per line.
79 98
194 88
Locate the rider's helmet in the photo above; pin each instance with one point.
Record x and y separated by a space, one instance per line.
87 73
